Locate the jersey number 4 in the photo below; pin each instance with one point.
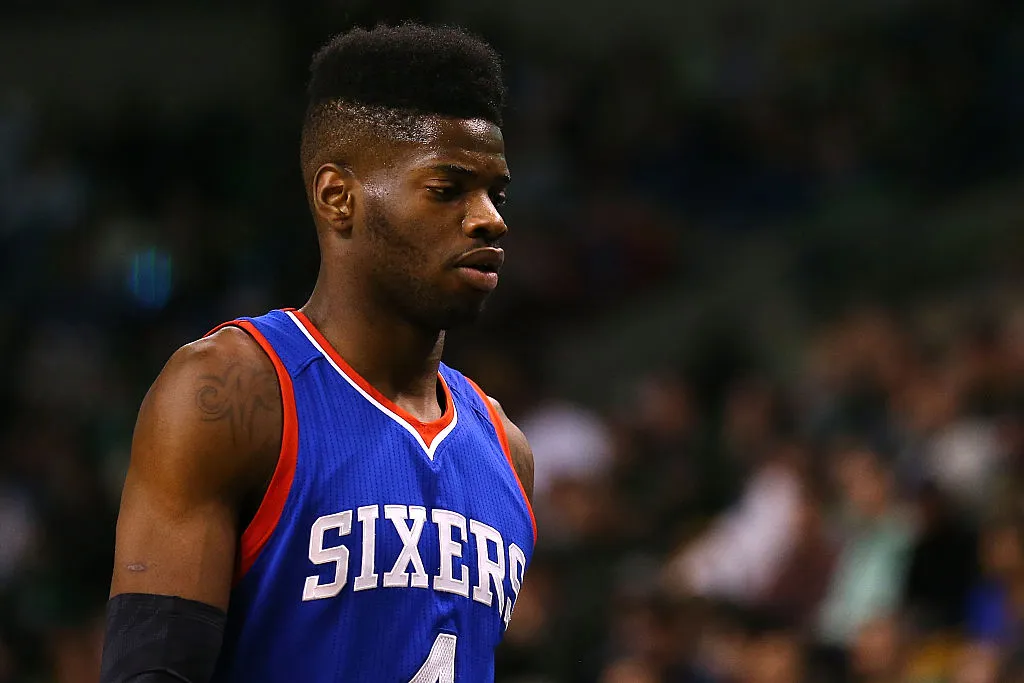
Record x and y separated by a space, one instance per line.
440 664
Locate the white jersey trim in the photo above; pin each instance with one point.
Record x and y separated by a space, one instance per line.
430 448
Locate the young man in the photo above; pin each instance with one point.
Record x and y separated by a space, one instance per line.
312 495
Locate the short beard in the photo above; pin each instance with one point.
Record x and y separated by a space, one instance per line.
399 290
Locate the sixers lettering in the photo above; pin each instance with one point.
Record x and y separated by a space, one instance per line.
491 571
313 495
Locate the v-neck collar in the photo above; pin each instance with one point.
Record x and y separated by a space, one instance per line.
429 435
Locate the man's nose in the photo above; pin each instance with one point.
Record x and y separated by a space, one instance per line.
483 221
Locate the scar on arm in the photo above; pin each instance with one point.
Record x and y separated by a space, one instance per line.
136 567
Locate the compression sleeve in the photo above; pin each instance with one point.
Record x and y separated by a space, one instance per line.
160 639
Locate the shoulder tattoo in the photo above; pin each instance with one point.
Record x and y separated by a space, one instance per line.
246 397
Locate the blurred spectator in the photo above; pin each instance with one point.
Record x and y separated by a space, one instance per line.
740 556
942 565
572 442
965 458
993 615
657 470
720 652
875 542
75 653
876 654
773 655
979 663
803 577
629 671
18 531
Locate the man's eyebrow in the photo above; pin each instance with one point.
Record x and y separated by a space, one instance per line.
455 169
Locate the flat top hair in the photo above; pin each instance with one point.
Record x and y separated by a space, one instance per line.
439 70
375 84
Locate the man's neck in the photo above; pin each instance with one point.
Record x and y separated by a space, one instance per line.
397 358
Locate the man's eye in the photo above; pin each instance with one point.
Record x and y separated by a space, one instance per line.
498 198
444 192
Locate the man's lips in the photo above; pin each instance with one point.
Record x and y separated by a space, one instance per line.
480 267
485 259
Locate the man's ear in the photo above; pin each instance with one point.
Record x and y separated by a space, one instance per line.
334 196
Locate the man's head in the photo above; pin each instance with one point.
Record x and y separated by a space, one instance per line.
404 166
864 478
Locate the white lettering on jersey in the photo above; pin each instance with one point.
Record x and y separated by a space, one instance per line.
516 568
367 516
450 549
490 571
495 565
398 577
318 554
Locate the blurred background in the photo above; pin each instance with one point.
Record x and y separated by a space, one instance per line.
762 320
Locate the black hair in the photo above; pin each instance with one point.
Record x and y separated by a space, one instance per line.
381 80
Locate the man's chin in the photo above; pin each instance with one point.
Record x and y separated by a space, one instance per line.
462 316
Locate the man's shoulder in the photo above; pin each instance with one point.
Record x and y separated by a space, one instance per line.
227 345
519 447
226 365
214 412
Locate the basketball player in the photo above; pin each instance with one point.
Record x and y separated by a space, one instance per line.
312 495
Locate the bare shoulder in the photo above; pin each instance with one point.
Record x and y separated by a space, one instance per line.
519 447
234 383
206 442
212 413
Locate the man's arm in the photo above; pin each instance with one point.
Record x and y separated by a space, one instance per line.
519 448
205 445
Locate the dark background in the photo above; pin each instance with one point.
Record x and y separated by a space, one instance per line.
762 320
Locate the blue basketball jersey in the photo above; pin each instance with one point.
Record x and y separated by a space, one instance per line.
386 549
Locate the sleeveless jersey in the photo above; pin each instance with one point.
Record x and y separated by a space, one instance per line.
385 549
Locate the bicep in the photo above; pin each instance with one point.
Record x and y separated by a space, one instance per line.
519 450
176 535
522 457
181 549
207 432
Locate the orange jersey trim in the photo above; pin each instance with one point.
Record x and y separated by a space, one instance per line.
263 523
499 428
428 431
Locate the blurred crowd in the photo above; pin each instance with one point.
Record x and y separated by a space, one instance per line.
854 515
857 521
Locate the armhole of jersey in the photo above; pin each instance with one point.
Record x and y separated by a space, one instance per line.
263 523
499 429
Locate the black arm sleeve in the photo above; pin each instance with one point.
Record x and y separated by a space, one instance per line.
160 639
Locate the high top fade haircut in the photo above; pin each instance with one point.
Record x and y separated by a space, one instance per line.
372 86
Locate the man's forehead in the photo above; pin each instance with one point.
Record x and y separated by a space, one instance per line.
475 135
476 142
443 135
